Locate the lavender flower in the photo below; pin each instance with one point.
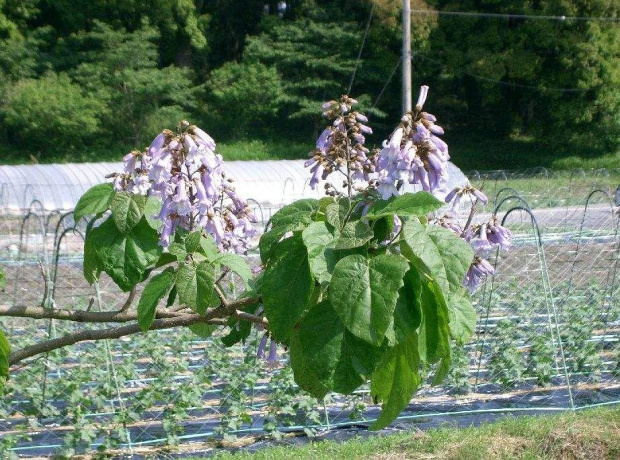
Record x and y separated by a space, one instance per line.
413 153
457 193
272 358
489 235
477 271
183 170
340 147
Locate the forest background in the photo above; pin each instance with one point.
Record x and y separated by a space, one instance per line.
89 80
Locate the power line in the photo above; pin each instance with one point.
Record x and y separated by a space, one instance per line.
387 82
504 83
359 55
515 16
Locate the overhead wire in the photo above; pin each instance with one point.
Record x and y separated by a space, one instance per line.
359 54
387 83
517 16
500 82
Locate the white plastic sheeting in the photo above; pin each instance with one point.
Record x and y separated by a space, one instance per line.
59 186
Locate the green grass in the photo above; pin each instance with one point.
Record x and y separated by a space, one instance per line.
468 153
281 149
589 434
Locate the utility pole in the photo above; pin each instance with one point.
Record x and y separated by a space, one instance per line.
406 57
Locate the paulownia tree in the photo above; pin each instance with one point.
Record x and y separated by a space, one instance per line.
365 284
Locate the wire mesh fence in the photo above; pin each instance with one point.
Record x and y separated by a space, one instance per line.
547 339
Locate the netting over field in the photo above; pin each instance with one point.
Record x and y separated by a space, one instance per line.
547 338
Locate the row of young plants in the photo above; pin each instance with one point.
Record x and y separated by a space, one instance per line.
115 394
367 288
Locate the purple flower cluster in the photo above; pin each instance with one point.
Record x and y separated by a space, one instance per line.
413 153
483 238
477 271
489 235
184 172
340 147
457 194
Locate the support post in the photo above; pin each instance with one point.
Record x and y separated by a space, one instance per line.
406 55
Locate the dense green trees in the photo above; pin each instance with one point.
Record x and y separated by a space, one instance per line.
121 69
556 79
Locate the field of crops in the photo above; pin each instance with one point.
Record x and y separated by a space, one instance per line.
548 338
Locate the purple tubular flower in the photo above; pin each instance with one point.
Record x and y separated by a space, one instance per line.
272 360
168 229
456 202
340 146
498 235
435 129
260 353
322 142
422 97
317 172
207 140
480 240
157 143
481 196
182 205
477 271
129 161
452 194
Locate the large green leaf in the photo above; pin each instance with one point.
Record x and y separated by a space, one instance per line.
336 213
2 280
157 288
418 247
195 285
300 211
319 242
95 201
408 311
152 208
187 285
192 241
446 256
127 210
354 234
364 293
303 370
206 273
395 381
5 351
408 204
126 258
434 332
269 240
287 286
442 369
462 316
457 255
208 248
90 267
338 360
236 264
203 330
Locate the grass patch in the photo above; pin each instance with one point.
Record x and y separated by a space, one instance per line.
273 149
607 161
468 153
590 434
